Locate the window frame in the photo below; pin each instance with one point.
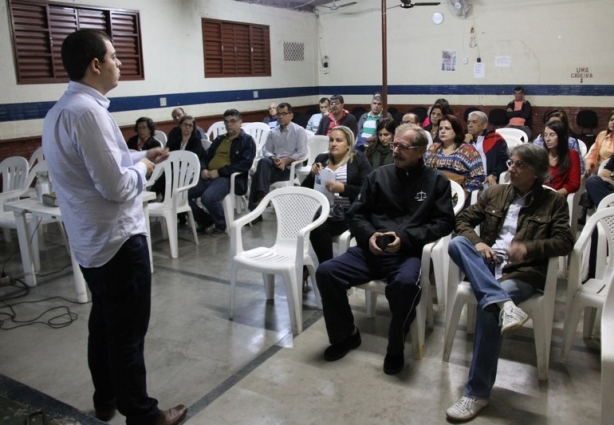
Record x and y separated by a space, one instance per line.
37 37
235 49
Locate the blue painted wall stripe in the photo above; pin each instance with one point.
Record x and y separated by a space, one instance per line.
36 110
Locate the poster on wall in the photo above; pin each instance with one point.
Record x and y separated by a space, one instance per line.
479 70
448 60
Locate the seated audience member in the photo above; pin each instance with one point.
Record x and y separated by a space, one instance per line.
437 111
351 169
189 141
602 149
457 160
561 115
445 108
337 116
144 139
490 144
314 121
368 122
506 263
401 207
519 112
411 118
564 162
175 134
229 153
271 119
600 185
380 152
285 144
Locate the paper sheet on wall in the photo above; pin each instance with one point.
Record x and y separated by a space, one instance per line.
479 70
325 176
503 61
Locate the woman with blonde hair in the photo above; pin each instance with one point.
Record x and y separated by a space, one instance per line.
350 169
602 149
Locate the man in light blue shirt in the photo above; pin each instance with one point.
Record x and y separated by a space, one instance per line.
98 183
285 144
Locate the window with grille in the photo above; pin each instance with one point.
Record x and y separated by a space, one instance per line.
234 49
39 28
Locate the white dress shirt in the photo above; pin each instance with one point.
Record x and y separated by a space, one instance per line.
289 142
98 182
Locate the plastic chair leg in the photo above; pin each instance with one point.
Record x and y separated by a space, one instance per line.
590 314
371 303
453 318
171 227
571 324
269 285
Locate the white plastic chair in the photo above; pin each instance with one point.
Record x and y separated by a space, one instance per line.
583 148
232 203
540 308
513 133
259 132
15 171
181 171
216 129
161 137
37 156
316 146
590 296
293 178
295 208
607 355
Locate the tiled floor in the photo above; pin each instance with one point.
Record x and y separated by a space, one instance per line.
254 371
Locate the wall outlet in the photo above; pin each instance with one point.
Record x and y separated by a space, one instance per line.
162 101
255 94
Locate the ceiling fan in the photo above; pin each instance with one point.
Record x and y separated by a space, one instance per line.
336 6
407 4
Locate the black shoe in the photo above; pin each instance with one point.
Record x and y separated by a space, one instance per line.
204 228
339 350
215 231
394 363
257 220
105 415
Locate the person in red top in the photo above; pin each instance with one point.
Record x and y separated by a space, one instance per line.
337 116
564 162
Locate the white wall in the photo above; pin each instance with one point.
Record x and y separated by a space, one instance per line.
545 39
173 58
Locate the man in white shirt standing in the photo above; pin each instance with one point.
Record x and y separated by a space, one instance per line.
98 183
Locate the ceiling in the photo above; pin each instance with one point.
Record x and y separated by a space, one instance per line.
304 5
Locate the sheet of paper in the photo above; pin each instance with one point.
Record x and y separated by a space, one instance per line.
325 176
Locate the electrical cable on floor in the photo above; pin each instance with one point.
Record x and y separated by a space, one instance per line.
7 318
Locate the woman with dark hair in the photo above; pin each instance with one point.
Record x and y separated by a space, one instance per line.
380 152
350 169
564 162
459 161
602 149
438 110
144 139
561 115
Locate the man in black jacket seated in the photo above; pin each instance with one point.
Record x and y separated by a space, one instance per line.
410 205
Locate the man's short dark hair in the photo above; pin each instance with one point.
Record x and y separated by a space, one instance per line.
232 113
80 48
325 99
337 97
150 125
285 105
519 88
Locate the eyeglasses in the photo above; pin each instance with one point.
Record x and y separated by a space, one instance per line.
229 122
186 125
283 114
403 146
517 164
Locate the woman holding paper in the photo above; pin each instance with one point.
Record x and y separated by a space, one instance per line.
340 172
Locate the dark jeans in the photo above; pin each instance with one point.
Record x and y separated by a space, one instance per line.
266 174
121 302
321 238
358 266
211 192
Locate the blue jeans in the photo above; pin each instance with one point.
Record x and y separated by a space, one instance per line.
119 318
487 290
358 266
212 192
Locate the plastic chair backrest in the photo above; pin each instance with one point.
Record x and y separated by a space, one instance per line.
511 140
259 132
37 156
459 192
317 145
14 171
161 136
180 169
216 129
40 166
583 148
514 133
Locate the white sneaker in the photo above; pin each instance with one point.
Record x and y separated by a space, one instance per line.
466 408
511 318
